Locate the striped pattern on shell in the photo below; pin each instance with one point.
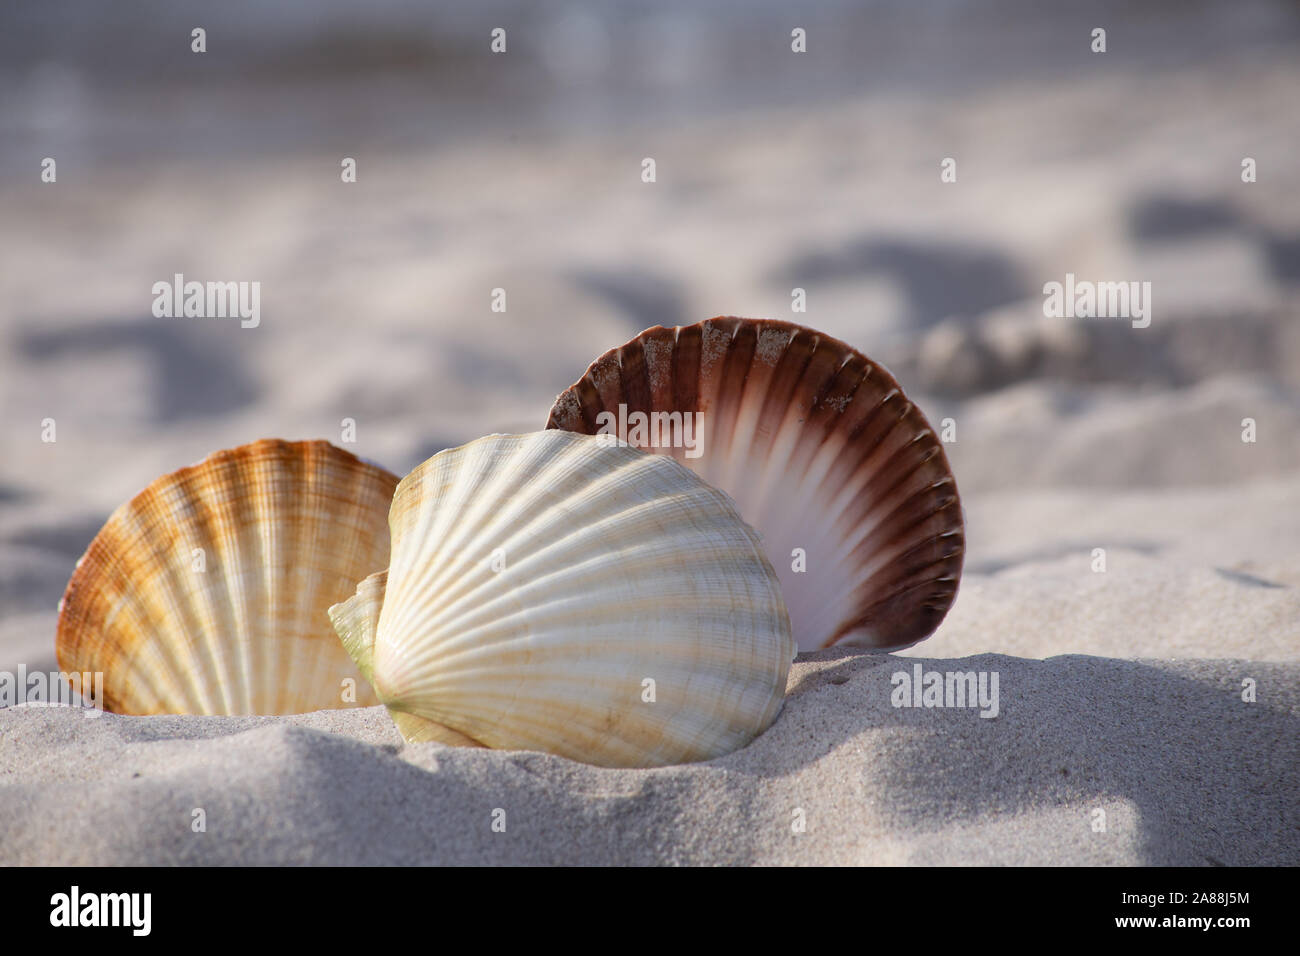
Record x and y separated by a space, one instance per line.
539 581
208 592
821 451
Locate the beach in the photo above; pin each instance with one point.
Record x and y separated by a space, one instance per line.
1131 583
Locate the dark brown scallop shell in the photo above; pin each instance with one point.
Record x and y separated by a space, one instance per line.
822 452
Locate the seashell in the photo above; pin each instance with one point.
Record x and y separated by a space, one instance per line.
556 592
822 452
207 593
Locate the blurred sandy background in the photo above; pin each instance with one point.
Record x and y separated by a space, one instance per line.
775 170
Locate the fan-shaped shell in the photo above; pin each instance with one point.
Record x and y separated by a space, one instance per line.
823 453
552 592
208 592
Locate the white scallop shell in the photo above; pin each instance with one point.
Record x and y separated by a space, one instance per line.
552 592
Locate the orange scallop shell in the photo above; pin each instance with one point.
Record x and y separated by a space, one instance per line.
822 452
207 593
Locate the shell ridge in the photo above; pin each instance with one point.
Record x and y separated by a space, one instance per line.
464 604
904 511
467 581
196 607
472 484
469 626
785 439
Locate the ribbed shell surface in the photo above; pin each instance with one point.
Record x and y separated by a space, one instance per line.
550 592
823 453
208 592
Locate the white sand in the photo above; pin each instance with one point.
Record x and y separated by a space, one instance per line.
1183 772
